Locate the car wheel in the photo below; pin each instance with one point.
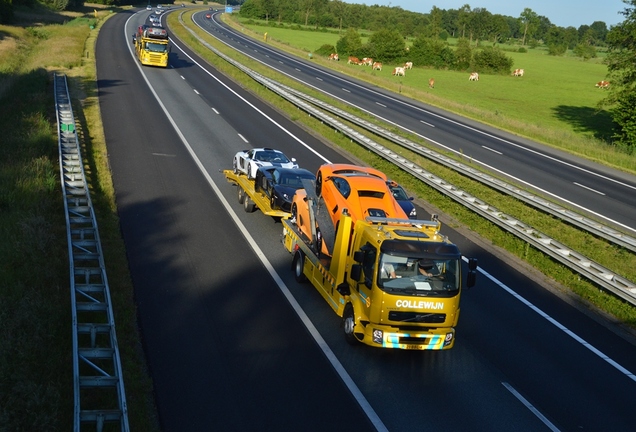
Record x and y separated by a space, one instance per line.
318 184
318 241
248 205
240 194
294 214
349 325
299 265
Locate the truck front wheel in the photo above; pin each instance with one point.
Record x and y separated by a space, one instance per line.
349 324
298 265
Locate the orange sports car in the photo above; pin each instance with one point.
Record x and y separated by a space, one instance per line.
362 191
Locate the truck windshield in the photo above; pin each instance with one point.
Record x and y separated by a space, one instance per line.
156 47
418 276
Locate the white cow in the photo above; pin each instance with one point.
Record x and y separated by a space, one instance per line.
398 71
473 77
408 65
518 73
377 65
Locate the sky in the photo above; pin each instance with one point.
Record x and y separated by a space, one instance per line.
563 13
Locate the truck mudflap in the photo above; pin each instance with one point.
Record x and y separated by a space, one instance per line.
250 198
413 339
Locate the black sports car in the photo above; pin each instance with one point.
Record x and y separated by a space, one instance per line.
405 201
280 184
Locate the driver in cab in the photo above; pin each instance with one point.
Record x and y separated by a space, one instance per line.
427 267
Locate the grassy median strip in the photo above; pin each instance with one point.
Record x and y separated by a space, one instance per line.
615 258
36 369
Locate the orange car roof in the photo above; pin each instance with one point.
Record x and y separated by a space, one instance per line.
345 169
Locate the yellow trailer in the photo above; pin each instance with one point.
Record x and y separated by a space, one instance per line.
250 198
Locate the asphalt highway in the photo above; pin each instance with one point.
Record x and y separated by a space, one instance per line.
593 189
234 343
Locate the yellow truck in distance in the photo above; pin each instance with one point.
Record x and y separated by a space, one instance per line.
396 283
151 46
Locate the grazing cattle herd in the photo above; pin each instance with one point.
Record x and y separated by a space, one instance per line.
401 70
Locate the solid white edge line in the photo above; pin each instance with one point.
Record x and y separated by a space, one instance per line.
560 326
531 407
340 370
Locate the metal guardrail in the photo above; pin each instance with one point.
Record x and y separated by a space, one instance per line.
576 219
593 271
98 384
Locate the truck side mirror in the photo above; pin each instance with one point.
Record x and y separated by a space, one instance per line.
358 256
472 273
356 271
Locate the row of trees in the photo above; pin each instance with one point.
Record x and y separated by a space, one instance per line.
475 24
389 46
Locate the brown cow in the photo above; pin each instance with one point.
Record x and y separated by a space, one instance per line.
354 60
518 73
431 83
367 61
334 56
603 84
377 66
398 71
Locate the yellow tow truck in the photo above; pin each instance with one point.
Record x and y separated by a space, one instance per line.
396 283
151 46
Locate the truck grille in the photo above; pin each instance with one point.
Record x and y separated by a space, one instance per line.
416 317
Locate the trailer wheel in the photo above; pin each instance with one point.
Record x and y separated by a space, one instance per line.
240 194
298 264
349 324
248 204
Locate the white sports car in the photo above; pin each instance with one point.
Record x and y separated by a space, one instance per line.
248 161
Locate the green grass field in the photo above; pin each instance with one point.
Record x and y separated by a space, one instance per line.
555 102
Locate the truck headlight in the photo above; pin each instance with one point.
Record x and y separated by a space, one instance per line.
378 336
448 339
